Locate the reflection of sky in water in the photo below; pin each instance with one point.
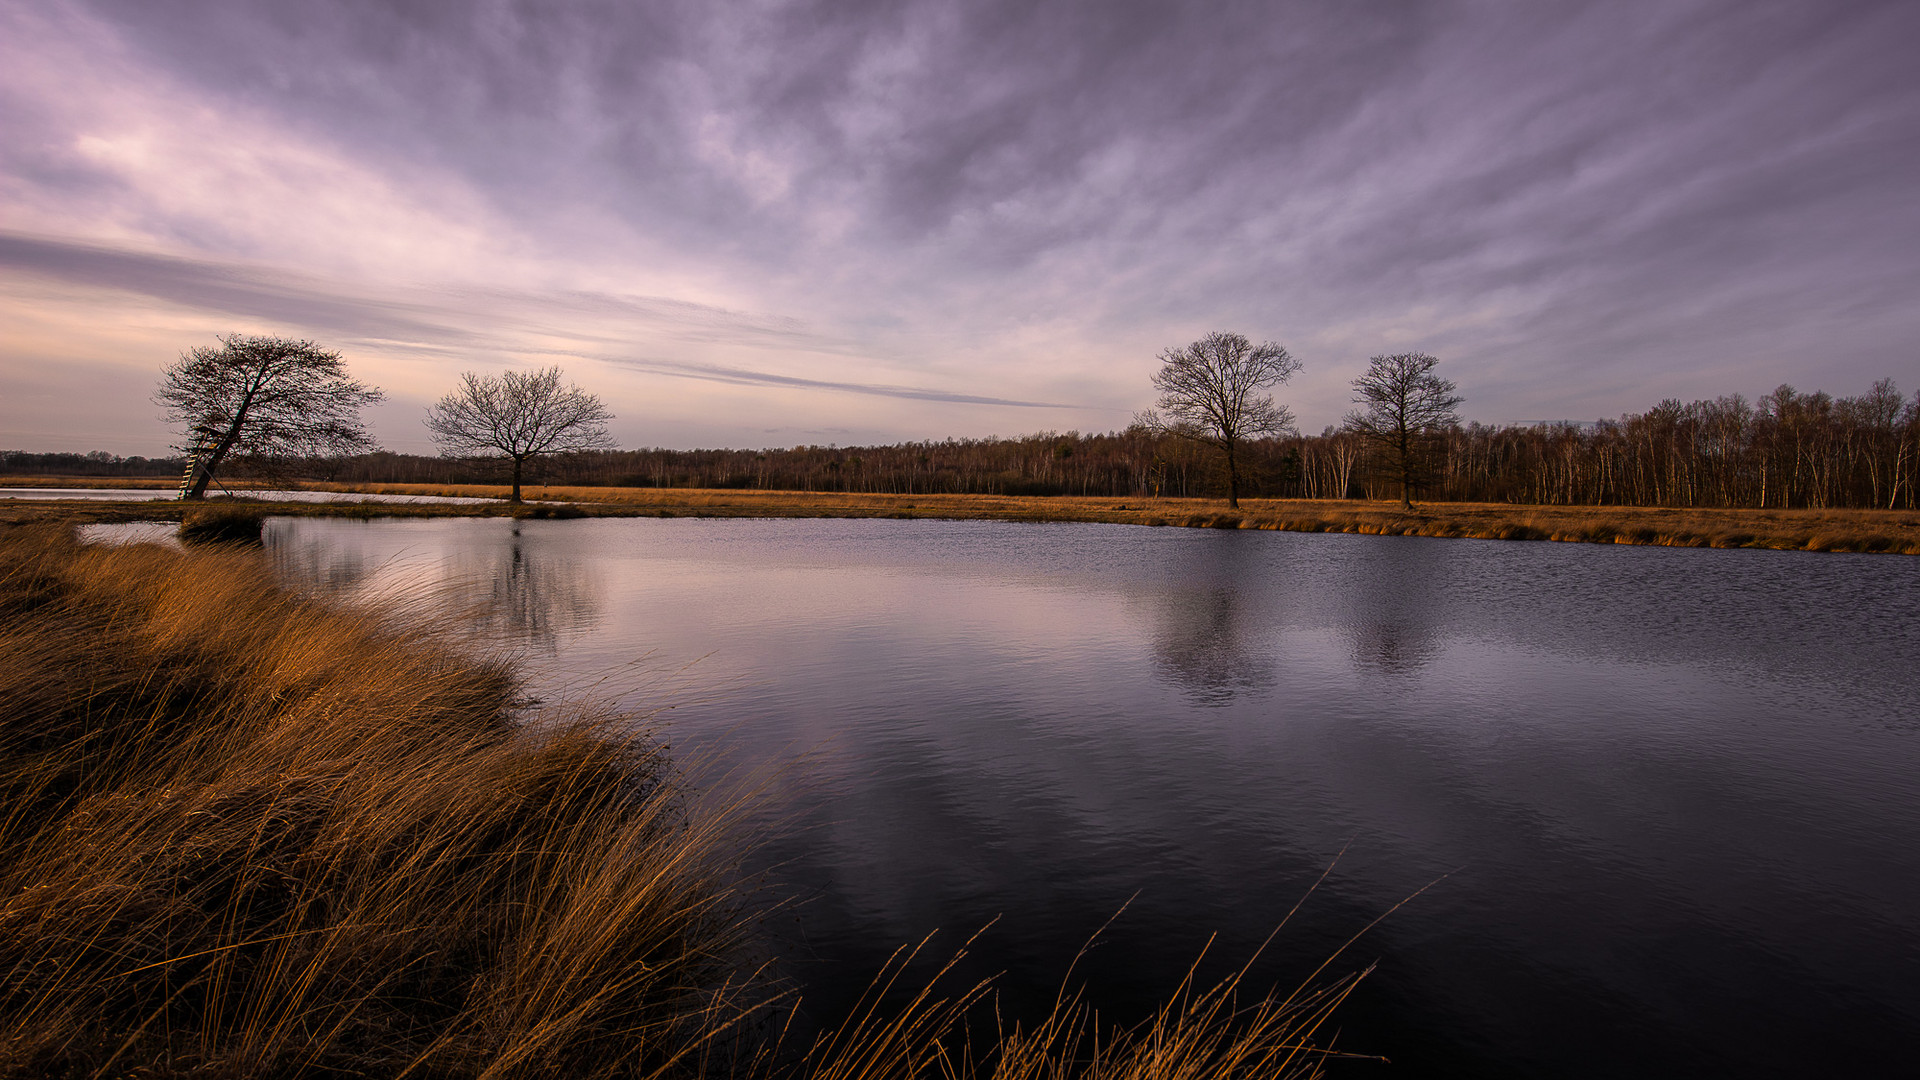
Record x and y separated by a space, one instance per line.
506 585
1674 788
164 533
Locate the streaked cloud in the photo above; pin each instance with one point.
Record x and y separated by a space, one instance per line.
922 219
743 377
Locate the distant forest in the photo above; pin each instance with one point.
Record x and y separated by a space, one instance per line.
95 463
1788 449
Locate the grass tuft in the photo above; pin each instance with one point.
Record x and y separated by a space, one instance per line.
222 523
563 512
246 833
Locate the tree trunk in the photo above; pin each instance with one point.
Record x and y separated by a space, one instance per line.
515 498
1233 479
202 473
1406 469
203 464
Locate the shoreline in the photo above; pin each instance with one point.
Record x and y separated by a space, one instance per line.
1850 530
250 831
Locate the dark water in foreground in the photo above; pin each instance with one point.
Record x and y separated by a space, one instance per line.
1674 790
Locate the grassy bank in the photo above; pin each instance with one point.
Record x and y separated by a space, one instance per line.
248 833
1855 530
15 512
143 483
1890 531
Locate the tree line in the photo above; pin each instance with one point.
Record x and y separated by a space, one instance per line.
91 463
272 407
1787 449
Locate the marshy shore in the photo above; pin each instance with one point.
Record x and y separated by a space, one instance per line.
250 832
1878 531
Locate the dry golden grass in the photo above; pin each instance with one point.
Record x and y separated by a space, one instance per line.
247 833
1873 531
1896 531
25 480
1199 1034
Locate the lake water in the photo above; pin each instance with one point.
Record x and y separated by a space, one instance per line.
1665 799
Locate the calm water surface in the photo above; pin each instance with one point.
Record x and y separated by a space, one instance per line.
1668 796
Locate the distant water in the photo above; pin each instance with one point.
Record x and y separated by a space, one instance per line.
1666 799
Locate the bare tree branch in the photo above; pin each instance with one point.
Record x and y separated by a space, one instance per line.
518 416
1405 403
262 398
1209 392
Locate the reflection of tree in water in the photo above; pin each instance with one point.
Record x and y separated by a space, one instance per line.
319 568
1392 647
531 598
502 587
1393 622
1199 644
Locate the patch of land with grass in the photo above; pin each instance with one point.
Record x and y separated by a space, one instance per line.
1887 531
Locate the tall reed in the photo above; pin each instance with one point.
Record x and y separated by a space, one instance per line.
249 833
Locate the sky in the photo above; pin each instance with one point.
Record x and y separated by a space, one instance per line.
778 223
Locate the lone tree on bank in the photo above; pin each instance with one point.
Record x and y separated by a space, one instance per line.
1210 392
518 416
262 398
1405 404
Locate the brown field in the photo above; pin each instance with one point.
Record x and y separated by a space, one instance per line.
92 482
1889 531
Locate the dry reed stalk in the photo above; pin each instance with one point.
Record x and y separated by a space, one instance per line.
246 833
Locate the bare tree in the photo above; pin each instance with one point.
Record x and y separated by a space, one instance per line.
1405 403
1210 393
263 398
518 416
